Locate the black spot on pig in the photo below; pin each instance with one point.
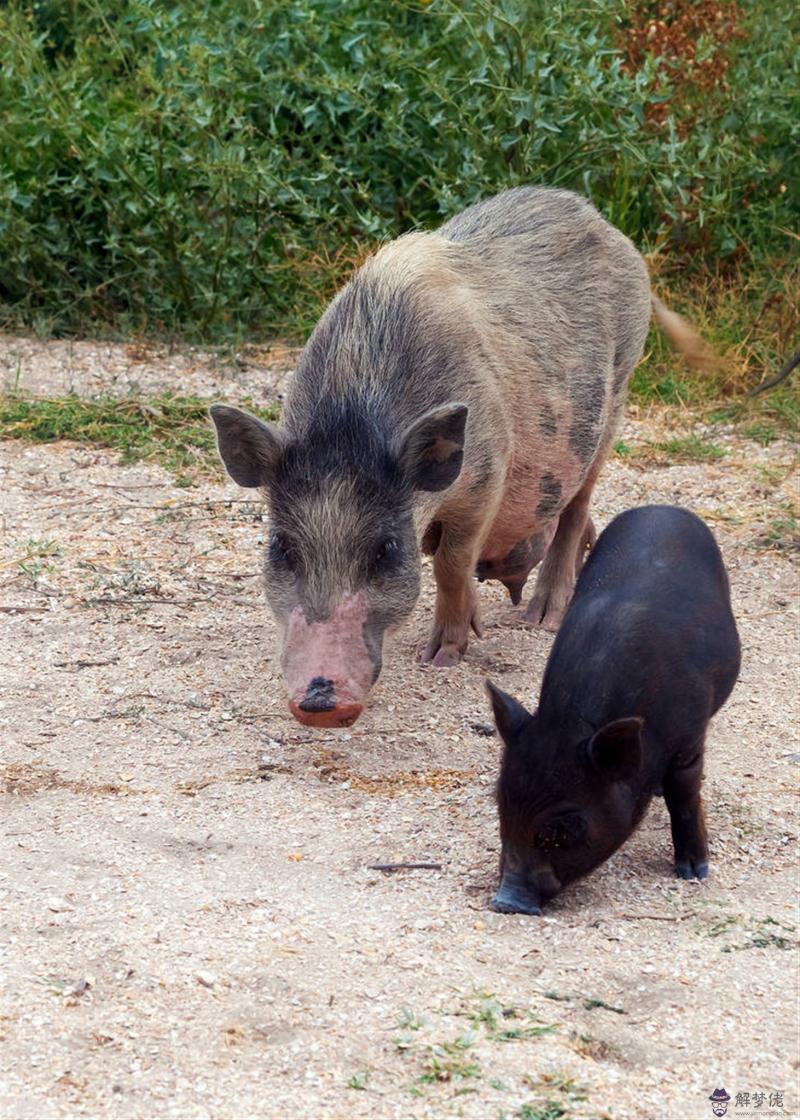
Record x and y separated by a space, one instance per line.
551 496
548 424
587 415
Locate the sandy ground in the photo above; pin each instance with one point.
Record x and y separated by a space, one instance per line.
190 925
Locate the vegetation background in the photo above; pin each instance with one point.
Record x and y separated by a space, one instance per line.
212 171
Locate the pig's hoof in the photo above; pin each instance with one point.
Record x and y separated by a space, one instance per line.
446 656
687 869
503 905
544 617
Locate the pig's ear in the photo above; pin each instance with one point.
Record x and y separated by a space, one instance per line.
509 715
432 449
248 447
616 749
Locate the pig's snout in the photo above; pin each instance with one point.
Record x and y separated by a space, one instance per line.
516 895
319 697
327 665
321 706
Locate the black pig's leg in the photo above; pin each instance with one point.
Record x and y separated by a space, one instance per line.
685 805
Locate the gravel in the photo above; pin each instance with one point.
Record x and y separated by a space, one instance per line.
191 927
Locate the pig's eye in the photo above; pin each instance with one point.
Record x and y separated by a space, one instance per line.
386 554
566 831
281 553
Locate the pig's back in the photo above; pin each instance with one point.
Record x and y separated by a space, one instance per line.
650 630
554 272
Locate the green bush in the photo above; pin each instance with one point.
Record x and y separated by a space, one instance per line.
216 166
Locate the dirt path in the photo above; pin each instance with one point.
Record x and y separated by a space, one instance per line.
190 925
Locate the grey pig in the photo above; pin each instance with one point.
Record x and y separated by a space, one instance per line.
457 398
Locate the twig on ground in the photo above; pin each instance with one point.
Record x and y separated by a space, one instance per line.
82 664
658 917
404 866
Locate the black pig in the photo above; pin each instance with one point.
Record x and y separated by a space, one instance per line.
647 653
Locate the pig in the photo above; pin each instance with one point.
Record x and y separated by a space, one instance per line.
647 653
457 398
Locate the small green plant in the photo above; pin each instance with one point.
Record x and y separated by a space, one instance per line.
32 564
358 1080
407 1020
782 534
548 1110
494 1018
553 1107
442 1067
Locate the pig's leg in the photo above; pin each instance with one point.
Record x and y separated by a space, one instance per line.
456 595
556 577
588 541
685 805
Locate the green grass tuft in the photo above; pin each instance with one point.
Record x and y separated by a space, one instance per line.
168 429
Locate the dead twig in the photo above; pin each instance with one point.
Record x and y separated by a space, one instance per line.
404 866
132 486
21 610
81 664
658 917
150 601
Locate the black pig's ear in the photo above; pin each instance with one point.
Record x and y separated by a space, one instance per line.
509 714
616 749
248 447
432 449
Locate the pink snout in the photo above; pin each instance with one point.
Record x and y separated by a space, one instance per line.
323 705
327 666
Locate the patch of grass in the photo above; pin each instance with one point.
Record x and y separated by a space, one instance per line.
547 1110
446 1061
762 433
168 429
764 933
556 1107
690 449
622 448
494 1017
782 534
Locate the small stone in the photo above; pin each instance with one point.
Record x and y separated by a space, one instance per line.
207 979
59 905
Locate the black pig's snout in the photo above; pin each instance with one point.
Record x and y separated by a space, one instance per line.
319 696
515 896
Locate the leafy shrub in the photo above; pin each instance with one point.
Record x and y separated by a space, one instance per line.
219 165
